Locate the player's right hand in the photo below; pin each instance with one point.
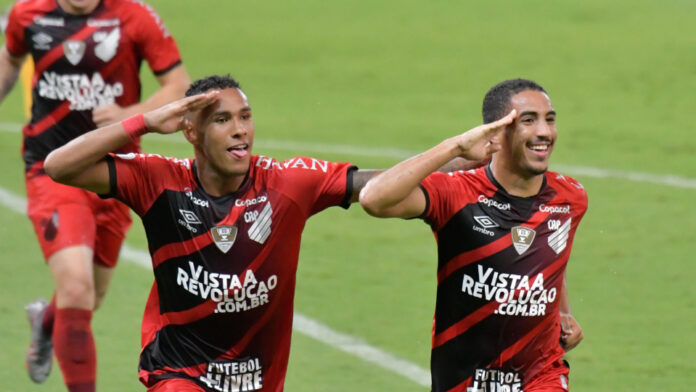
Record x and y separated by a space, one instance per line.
479 143
170 117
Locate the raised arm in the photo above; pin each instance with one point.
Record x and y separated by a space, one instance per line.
9 71
173 85
81 163
395 192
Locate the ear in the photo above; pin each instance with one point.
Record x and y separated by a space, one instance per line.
190 131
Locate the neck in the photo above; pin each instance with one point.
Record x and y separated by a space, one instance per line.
72 9
214 183
515 184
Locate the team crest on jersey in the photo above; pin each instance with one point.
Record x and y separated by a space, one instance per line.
107 44
224 237
522 238
74 51
261 228
559 239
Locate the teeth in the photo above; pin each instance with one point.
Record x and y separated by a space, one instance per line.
240 147
539 148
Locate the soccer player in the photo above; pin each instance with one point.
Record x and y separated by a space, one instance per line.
504 234
223 231
87 55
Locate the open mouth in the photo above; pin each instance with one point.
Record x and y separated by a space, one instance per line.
239 151
540 147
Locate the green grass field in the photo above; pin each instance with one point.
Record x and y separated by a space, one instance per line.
379 75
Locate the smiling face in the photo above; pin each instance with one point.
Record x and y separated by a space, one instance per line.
528 142
224 133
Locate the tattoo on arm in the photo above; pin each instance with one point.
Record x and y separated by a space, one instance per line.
360 178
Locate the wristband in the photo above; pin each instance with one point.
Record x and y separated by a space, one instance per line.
134 126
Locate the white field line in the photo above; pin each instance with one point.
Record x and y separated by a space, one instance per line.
302 324
353 150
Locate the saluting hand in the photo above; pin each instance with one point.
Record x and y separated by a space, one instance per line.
170 118
478 143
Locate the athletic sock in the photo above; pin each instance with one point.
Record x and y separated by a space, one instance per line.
74 347
49 317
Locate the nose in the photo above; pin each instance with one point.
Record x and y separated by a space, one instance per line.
239 128
545 129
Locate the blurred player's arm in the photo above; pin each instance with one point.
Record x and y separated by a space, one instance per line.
571 332
395 192
173 85
81 162
9 71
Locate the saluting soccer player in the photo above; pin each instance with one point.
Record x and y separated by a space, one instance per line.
504 234
224 233
87 56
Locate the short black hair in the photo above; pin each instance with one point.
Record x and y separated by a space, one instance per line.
212 82
496 103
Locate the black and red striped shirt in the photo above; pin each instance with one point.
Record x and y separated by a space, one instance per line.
501 265
220 310
83 62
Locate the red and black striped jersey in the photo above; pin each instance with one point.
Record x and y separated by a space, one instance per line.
501 265
83 62
220 310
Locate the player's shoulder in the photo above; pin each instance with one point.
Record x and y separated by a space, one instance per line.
157 161
25 11
137 6
470 178
571 187
295 165
138 11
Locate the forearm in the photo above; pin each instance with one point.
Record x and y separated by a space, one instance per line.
394 185
360 179
74 158
9 71
564 304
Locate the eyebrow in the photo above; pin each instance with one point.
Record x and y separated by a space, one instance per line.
530 112
224 112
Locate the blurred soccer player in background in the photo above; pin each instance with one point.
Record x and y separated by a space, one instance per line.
504 234
87 56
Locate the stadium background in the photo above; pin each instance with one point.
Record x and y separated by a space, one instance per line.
374 81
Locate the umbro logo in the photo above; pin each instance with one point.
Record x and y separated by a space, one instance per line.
189 219
485 222
42 41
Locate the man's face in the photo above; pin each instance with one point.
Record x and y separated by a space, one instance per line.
226 133
529 140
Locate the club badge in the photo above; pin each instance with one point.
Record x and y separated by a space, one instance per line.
107 44
224 237
74 51
522 238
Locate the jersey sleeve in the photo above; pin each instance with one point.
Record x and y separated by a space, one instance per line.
135 179
317 184
443 195
14 34
154 43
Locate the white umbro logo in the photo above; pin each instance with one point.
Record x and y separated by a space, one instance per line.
189 219
485 221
